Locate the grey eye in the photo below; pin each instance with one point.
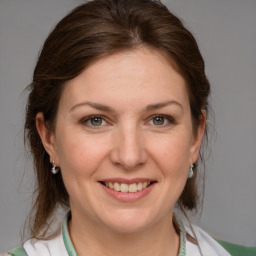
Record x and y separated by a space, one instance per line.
158 120
161 120
96 121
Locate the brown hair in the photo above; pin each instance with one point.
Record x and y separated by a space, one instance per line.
92 30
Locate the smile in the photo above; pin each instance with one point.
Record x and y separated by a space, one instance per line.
124 187
128 190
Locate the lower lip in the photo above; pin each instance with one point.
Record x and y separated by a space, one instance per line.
128 196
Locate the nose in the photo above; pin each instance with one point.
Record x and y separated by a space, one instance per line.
129 149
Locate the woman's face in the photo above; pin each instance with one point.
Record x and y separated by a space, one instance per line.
124 124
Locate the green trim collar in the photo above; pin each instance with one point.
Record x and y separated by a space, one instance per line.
72 252
18 252
67 241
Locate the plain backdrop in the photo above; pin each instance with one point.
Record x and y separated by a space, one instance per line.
226 33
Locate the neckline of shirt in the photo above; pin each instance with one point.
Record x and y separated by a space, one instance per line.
72 252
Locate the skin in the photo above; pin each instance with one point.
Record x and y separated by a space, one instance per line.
129 142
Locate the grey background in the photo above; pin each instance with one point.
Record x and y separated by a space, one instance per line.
226 33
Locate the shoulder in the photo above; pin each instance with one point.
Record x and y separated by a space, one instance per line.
54 246
208 245
16 252
35 247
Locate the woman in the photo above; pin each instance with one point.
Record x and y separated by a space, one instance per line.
115 120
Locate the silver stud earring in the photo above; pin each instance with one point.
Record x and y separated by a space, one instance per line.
191 172
55 169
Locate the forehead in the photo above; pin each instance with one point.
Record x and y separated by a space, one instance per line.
141 75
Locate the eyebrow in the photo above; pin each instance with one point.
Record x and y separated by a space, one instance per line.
105 108
97 106
162 104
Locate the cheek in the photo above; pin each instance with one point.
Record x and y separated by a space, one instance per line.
172 155
79 157
79 154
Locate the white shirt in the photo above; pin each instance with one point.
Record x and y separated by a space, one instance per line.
61 245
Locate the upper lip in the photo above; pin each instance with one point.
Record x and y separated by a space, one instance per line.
127 181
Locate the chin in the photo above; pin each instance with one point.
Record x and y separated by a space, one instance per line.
128 221
127 227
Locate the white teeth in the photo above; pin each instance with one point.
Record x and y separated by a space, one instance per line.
132 188
110 185
116 186
124 187
139 186
144 184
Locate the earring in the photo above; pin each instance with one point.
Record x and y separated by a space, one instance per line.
55 169
191 172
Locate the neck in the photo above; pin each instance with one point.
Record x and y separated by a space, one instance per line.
90 238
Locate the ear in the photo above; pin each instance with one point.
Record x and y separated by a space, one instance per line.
47 137
197 139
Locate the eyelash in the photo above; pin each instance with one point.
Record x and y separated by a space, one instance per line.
86 120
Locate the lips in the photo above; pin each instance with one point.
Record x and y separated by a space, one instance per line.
126 187
128 190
